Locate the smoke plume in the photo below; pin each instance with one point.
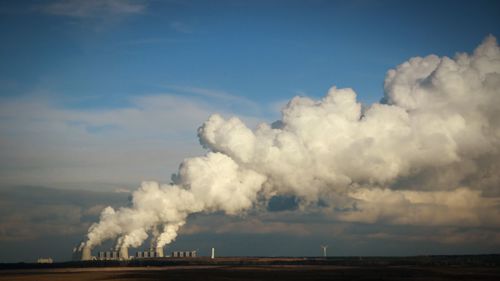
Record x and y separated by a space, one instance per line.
427 154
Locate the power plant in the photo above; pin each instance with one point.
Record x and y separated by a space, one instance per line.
84 254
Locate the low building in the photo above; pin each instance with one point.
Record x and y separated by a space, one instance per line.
45 260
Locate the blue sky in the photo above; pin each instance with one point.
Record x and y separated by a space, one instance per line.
100 95
102 74
265 51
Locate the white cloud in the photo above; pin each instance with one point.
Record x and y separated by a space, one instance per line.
94 8
221 96
420 159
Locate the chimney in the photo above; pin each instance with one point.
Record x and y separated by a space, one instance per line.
213 253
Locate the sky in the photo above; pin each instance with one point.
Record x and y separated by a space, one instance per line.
98 96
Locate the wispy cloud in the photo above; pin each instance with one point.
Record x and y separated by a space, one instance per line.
181 27
151 41
53 145
220 96
445 235
94 8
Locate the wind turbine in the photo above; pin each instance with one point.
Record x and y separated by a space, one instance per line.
324 250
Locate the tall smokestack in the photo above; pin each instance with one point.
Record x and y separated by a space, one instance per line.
159 252
213 253
86 255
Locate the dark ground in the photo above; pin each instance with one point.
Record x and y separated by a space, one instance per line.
257 273
372 268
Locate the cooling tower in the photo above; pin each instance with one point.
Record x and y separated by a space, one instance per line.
159 252
124 253
86 256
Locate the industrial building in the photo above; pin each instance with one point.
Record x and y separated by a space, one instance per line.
45 260
81 253
84 254
147 254
158 253
110 255
184 254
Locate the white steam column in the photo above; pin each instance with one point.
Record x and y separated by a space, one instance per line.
213 253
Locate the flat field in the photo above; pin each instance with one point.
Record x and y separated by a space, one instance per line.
281 272
441 268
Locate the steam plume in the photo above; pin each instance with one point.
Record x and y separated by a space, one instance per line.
427 154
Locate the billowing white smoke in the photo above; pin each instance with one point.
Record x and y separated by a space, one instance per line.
429 154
